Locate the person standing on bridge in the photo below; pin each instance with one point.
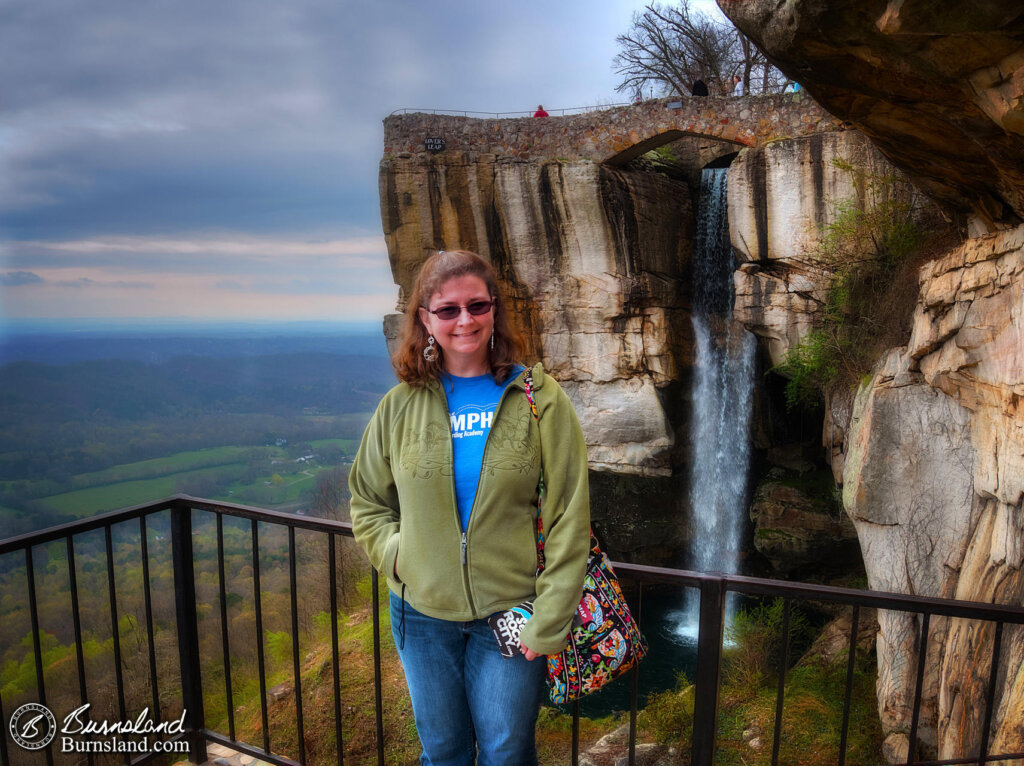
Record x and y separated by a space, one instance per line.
540 112
700 88
444 502
737 86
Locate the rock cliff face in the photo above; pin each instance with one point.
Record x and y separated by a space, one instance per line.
937 85
595 262
781 198
931 454
934 481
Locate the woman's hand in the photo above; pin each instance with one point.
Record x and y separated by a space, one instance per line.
527 651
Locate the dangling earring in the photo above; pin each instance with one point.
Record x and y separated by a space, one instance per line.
492 340
430 353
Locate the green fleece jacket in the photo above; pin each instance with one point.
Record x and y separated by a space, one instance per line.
404 513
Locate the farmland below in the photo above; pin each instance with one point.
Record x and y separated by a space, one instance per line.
241 418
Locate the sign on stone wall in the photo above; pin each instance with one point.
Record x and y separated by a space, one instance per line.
433 144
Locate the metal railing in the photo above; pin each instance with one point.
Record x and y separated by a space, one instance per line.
505 115
563 111
713 589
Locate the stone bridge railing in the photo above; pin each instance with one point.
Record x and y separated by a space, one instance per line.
615 135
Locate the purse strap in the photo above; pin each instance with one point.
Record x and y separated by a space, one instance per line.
528 385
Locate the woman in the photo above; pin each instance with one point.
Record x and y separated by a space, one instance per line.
444 501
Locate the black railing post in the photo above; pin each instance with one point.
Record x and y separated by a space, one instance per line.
225 643
922 659
709 663
339 742
851 666
634 693
990 693
575 733
378 684
188 629
147 592
37 651
780 693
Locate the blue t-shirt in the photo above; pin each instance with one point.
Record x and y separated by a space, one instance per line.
471 405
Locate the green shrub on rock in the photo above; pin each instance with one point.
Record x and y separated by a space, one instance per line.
872 246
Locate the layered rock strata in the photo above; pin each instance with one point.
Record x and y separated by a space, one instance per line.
594 261
931 455
783 199
934 482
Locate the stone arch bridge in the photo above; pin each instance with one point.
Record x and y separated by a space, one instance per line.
612 136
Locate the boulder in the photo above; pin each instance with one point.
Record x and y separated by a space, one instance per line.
613 750
797 526
833 643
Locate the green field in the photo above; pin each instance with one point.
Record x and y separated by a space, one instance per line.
222 473
288 492
86 502
178 463
348 445
165 466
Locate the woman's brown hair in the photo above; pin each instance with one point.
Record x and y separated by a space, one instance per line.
410 366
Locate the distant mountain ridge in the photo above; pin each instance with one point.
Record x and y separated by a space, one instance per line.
131 389
68 347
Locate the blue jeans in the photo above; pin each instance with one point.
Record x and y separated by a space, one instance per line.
468 700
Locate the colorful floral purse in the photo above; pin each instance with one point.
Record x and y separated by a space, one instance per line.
604 640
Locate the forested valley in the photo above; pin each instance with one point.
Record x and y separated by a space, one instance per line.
97 434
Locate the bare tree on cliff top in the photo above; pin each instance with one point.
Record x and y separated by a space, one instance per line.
671 46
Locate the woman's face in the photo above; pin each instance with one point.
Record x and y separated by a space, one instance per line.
464 338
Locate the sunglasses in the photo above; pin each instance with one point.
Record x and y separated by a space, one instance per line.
476 308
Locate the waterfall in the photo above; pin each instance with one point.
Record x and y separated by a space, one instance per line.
722 390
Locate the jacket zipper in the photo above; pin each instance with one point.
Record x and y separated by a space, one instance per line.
476 494
455 501
451 459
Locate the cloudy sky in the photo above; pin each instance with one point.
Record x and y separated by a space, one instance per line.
218 160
